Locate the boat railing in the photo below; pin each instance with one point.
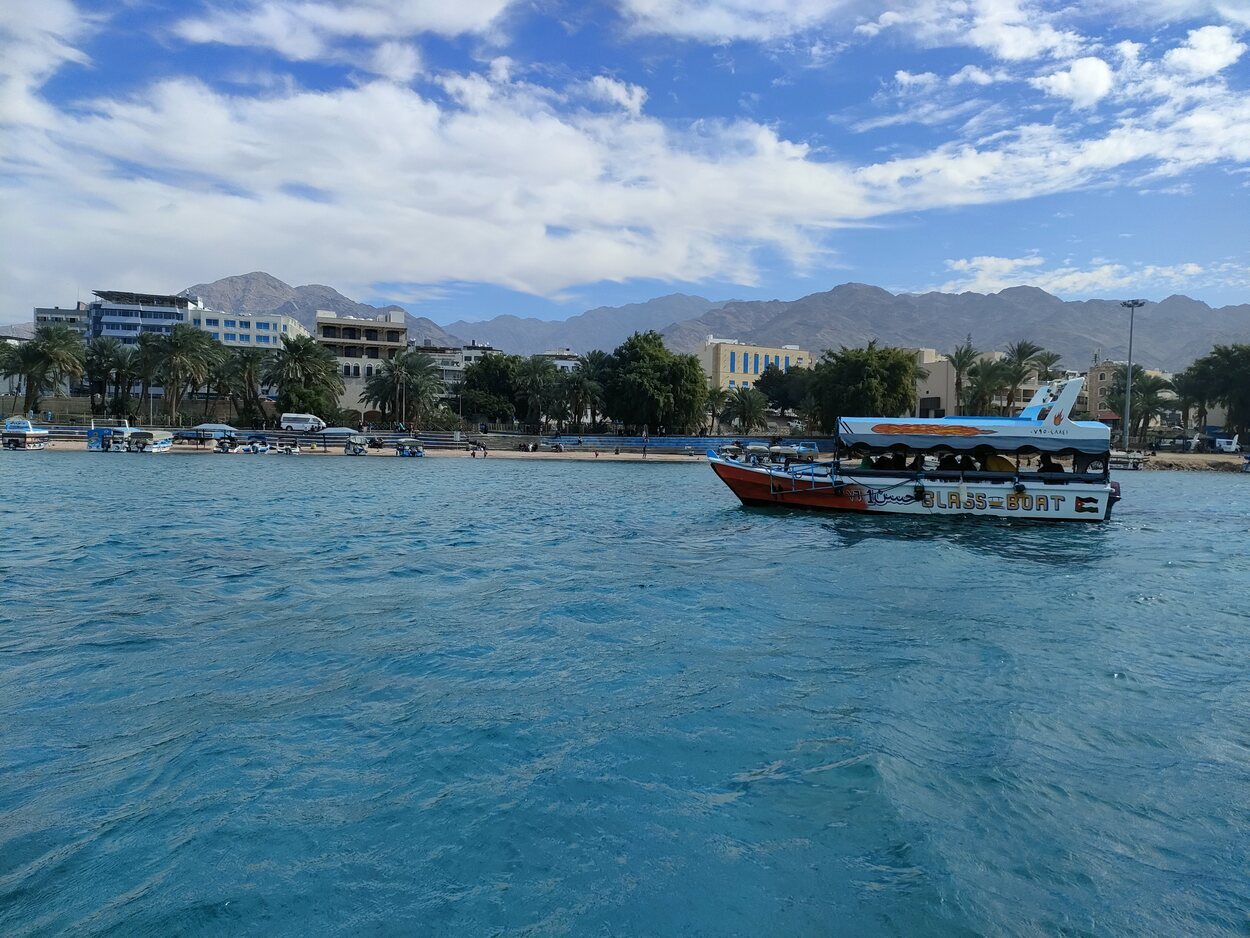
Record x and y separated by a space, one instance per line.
949 475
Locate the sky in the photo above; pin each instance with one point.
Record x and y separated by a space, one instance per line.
541 157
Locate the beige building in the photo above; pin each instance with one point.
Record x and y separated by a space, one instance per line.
935 391
360 345
731 364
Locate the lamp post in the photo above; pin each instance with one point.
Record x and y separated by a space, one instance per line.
1132 307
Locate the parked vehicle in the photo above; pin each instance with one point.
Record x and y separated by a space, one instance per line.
302 423
1225 445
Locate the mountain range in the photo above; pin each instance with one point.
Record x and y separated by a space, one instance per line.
1168 335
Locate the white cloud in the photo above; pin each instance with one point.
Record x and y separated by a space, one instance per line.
906 79
971 74
1085 82
629 98
1207 51
398 61
990 274
727 20
303 29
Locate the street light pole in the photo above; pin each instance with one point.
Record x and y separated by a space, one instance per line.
1132 306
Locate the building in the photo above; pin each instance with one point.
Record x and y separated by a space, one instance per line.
565 359
360 344
122 315
935 386
247 330
452 360
76 317
731 364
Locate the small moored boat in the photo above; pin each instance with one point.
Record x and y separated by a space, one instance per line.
409 447
151 441
20 433
983 466
356 445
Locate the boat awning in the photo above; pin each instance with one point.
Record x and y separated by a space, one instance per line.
1003 435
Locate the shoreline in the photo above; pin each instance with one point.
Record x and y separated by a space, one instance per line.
1180 462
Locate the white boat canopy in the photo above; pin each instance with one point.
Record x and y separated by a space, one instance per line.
1044 425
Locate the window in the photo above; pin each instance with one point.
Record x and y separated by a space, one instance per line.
230 336
195 322
787 363
284 327
1102 376
731 382
732 362
262 325
368 371
230 324
355 371
746 384
347 371
264 339
757 363
243 324
216 335
212 322
245 338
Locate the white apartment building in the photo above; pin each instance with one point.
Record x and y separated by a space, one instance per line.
247 330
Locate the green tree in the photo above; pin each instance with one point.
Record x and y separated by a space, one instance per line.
407 385
491 387
1192 392
1047 364
649 386
247 378
125 373
535 381
1020 365
871 381
54 355
962 359
99 362
987 379
748 408
717 400
9 366
584 394
148 364
306 374
187 358
1225 372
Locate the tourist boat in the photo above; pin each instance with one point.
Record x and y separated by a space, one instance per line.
20 433
151 441
1121 460
409 447
286 448
979 469
356 445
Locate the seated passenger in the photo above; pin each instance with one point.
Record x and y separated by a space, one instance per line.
968 464
1048 464
949 462
917 464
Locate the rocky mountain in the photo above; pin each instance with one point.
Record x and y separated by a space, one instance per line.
259 292
1168 334
604 327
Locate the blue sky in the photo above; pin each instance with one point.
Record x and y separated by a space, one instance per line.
544 157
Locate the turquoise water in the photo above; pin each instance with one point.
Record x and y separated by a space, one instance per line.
293 696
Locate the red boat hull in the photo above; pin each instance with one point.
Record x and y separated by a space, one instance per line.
758 488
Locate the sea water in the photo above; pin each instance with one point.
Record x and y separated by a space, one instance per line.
273 696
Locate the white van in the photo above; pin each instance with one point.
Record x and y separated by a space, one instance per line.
303 423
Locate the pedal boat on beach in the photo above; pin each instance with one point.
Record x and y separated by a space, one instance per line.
151 441
20 433
409 447
975 466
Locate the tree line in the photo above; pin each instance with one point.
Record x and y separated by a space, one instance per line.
301 376
639 385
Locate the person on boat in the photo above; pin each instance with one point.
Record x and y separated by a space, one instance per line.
917 464
949 462
1048 464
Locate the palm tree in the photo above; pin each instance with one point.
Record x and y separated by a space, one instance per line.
247 377
187 358
8 365
407 385
125 371
1191 390
747 407
148 364
534 380
717 399
987 379
1046 362
1150 400
961 359
54 355
584 394
1020 365
596 367
98 364
306 374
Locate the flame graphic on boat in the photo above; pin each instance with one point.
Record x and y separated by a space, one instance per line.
927 429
